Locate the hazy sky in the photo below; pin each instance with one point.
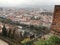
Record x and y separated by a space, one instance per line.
16 3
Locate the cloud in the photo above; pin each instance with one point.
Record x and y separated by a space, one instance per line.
13 3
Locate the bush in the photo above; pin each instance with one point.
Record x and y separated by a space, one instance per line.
53 40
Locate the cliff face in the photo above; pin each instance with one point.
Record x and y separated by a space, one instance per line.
56 19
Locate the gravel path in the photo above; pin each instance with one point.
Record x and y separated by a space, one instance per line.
3 42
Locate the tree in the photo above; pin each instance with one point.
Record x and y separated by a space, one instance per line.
4 31
13 33
9 33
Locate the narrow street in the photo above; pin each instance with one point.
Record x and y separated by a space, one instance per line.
3 42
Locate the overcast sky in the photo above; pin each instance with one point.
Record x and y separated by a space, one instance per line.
17 3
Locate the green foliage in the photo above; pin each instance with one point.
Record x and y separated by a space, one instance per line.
4 31
28 43
14 32
9 33
51 41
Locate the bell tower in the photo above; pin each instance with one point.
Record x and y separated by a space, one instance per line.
55 27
